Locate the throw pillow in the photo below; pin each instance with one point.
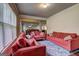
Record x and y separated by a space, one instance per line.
28 36
68 37
50 34
74 35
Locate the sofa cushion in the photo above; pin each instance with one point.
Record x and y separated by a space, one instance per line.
63 35
59 35
37 33
50 34
74 35
23 42
33 42
42 34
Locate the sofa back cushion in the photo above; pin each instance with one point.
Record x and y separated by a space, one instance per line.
42 34
37 33
59 35
23 42
63 35
74 35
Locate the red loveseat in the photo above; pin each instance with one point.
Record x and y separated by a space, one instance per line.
58 38
23 47
38 35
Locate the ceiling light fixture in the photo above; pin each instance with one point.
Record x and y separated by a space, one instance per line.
44 5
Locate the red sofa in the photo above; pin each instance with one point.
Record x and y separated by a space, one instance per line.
58 38
38 35
23 47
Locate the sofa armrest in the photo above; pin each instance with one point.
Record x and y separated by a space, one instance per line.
32 51
75 43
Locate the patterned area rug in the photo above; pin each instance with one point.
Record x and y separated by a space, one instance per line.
53 49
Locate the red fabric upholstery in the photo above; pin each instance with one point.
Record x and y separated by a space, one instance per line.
15 47
37 34
62 35
22 34
32 34
34 48
33 42
23 42
58 38
32 51
40 36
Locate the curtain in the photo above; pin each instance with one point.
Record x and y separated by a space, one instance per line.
7 25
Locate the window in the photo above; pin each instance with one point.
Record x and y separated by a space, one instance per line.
7 34
1 27
7 25
1 37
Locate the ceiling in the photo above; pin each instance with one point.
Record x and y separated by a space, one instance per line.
33 9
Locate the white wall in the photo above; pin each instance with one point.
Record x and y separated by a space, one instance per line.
65 21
